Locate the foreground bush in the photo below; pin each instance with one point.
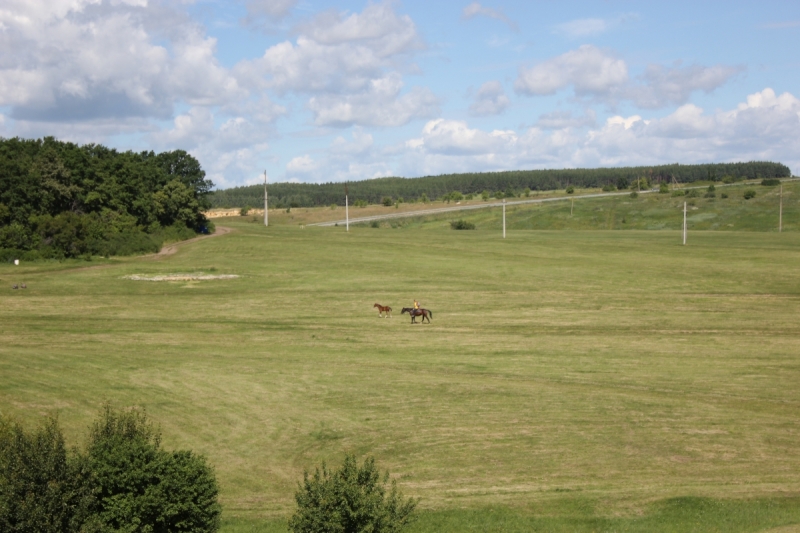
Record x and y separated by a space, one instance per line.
749 193
770 182
351 499
122 482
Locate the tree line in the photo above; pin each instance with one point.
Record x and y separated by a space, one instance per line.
283 195
59 199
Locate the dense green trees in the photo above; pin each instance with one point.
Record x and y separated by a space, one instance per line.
122 482
505 184
59 199
351 499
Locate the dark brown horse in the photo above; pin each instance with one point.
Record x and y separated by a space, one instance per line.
414 313
383 309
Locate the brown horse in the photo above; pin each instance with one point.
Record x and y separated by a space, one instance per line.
384 309
424 313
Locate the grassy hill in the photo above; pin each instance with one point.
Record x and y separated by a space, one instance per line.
650 211
569 381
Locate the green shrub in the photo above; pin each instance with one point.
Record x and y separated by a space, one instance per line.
243 211
485 195
570 189
622 183
461 224
678 193
424 198
351 499
723 195
609 187
770 182
634 194
374 224
749 193
663 188
470 196
692 193
387 201
123 481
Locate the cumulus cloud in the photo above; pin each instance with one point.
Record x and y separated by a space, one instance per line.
476 9
336 53
663 86
350 64
490 100
68 61
765 127
588 69
380 105
345 160
594 73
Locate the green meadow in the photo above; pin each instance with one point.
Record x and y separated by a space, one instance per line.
576 380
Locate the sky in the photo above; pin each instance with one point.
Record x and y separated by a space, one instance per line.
321 91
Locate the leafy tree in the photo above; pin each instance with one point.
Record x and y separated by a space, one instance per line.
387 201
622 183
352 499
663 188
570 189
140 487
749 193
41 489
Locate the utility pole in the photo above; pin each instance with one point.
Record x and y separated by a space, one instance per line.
346 208
504 218
266 205
684 223
780 213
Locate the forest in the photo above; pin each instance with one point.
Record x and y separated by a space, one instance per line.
59 199
509 183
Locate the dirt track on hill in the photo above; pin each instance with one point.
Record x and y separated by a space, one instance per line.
172 248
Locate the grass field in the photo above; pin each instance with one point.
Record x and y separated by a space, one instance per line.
569 381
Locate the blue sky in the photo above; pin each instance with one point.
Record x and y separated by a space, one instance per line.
317 91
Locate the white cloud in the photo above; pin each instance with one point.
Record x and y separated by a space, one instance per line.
664 86
588 69
476 9
336 53
594 73
380 105
765 127
579 28
490 100
73 61
583 27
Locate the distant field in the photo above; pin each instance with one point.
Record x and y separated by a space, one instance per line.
569 381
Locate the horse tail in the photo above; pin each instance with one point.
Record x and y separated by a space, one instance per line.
430 313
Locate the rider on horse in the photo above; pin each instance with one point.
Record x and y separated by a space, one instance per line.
416 304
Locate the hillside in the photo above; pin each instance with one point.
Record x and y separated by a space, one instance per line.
496 184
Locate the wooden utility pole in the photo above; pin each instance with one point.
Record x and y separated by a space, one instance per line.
504 218
346 209
266 204
684 223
